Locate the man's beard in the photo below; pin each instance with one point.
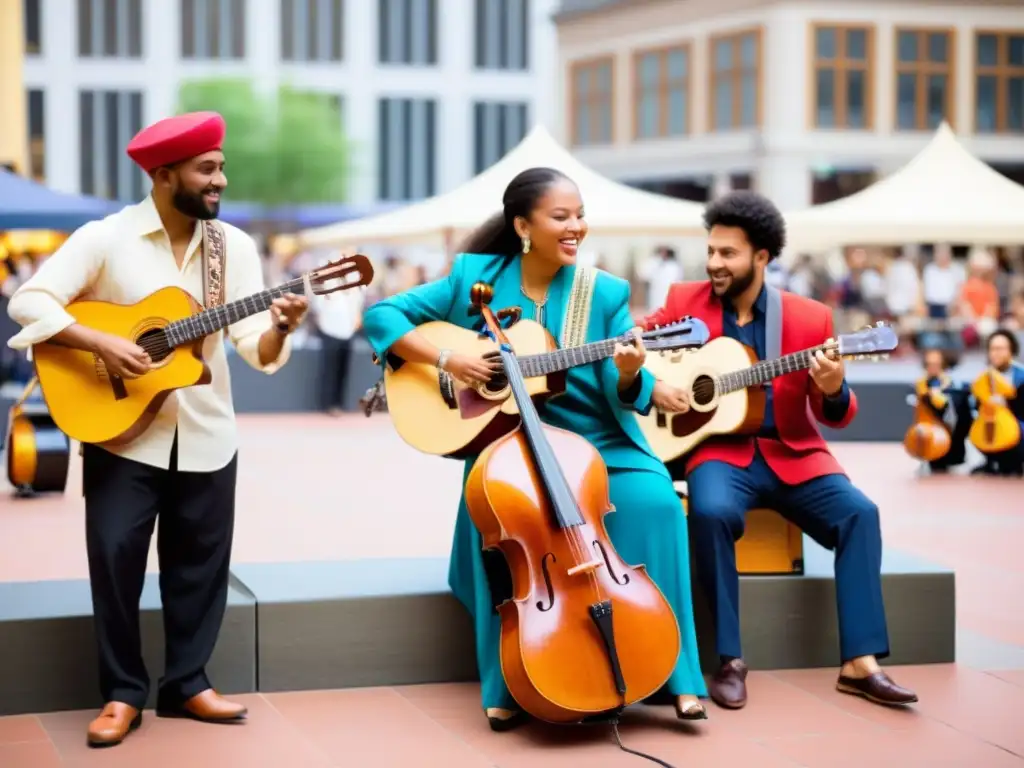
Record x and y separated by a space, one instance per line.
192 204
737 285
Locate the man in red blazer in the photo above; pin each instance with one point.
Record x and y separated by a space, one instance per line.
787 465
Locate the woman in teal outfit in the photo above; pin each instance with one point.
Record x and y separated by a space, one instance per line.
528 254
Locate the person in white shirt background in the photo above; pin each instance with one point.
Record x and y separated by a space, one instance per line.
338 318
902 285
659 273
181 471
941 282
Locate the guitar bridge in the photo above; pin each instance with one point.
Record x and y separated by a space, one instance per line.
116 382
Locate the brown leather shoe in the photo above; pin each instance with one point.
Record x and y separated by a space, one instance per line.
728 686
114 723
209 707
878 688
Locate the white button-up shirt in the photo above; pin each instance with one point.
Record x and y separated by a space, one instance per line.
122 259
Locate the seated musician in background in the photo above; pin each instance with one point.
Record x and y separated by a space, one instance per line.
528 254
788 465
182 469
949 401
1003 349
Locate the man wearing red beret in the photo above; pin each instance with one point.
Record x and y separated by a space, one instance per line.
181 471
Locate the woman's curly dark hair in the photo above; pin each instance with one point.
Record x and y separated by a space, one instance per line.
755 214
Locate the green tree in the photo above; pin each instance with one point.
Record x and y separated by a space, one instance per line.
286 148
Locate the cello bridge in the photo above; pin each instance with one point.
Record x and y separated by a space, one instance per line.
593 565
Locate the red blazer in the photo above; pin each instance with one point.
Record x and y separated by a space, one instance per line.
801 453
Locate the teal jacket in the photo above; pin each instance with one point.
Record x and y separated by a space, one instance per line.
448 299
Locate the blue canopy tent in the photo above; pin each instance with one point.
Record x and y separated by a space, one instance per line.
27 205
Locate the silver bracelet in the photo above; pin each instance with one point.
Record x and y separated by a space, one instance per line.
442 359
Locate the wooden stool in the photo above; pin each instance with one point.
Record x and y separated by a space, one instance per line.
770 545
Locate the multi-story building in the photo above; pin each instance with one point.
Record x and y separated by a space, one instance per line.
805 101
426 100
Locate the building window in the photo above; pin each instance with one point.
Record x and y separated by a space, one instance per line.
999 82
37 135
110 28
661 89
407 32
213 29
406 148
497 128
736 81
924 78
843 76
502 34
312 30
107 121
592 86
33 27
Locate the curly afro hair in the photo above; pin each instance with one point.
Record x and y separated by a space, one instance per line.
1010 337
755 214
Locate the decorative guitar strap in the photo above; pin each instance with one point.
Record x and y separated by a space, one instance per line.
577 313
213 246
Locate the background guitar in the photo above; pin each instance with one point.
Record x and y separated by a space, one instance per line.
724 380
38 454
91 406
438 415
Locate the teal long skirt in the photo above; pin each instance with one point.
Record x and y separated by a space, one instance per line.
648 526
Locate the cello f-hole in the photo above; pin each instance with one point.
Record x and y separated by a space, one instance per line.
624 580
547 583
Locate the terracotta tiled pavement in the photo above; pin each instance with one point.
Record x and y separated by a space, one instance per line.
314 488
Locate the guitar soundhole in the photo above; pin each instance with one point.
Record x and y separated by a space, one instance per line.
497 384
703 390
155 342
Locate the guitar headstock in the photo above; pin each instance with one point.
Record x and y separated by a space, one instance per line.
872 343
341 275
687 332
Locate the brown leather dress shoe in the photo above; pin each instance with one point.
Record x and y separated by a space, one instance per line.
114 723
728 686
877 687
209 707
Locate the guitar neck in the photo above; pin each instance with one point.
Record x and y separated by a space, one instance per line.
563 359
212 321
766 370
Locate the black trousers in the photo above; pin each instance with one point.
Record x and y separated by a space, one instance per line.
335 370
196 511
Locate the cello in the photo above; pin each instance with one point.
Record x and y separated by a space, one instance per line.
928 438
584 634
996 429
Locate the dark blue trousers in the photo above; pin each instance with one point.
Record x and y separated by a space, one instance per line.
829 509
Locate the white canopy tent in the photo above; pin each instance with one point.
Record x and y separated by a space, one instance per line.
944 194
611 208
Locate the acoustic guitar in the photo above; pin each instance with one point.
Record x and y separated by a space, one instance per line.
438 415
725 384
92 406
38 454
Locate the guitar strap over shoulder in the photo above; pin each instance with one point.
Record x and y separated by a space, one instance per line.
214 258
773 323
577 311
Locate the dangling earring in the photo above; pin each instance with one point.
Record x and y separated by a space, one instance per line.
526 244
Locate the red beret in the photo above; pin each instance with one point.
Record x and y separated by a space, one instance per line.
177 138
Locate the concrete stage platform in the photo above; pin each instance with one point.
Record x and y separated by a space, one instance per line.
340 571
